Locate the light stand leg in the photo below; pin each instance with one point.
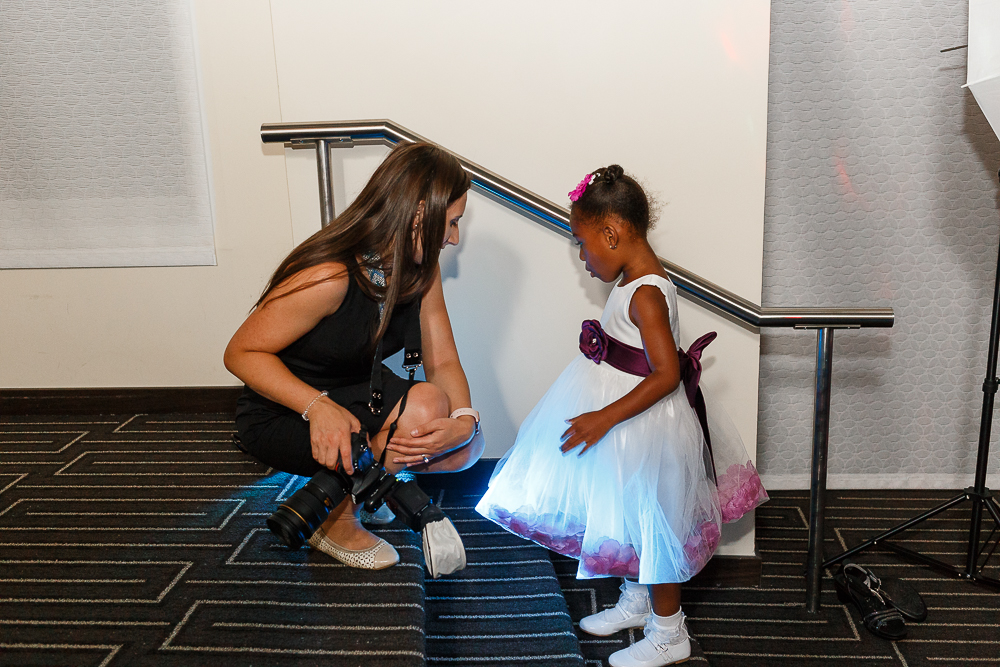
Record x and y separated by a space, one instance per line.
980 493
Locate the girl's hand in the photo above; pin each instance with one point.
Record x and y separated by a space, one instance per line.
650 313
330 429
587 429
432 439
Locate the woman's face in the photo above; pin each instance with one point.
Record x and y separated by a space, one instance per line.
455 211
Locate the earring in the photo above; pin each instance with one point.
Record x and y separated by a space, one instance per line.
613 247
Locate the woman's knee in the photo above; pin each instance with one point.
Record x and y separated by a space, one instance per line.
425 402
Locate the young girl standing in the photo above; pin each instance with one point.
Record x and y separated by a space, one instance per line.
612 466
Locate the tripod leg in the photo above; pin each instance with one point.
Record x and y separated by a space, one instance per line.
993 509
898 529
986 543
994 512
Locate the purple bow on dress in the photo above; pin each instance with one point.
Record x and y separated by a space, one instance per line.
691 376
598 346
691 365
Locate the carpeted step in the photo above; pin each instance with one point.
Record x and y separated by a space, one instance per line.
504 607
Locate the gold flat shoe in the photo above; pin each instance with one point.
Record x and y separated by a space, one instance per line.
377 557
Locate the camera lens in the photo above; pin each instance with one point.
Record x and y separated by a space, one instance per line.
305 510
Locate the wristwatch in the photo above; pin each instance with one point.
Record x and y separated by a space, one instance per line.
462 412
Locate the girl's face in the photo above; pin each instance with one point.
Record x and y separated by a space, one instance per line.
596 240
452 215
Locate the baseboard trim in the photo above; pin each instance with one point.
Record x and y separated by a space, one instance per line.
879 481
118 400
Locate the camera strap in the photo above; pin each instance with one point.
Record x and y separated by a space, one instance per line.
412 360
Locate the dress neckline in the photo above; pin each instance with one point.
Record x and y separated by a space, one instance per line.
638 281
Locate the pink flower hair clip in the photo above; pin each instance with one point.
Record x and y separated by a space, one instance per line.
578 191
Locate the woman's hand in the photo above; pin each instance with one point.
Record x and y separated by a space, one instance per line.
586 430
330 429
432 439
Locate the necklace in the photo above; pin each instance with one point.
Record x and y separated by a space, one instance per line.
375 274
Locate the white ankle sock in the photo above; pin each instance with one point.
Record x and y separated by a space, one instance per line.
636 587
668 622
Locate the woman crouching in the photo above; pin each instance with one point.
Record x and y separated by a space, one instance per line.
306 352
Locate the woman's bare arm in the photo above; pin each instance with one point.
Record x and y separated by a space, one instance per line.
444 370
441 362
252 355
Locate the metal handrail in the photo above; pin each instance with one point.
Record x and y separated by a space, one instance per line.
386 132
329 134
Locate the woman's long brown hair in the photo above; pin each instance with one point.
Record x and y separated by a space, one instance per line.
379 224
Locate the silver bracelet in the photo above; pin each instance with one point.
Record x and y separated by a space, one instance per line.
305 413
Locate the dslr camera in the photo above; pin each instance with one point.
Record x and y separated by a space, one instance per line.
301 515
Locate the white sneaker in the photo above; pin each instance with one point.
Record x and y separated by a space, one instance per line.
631 611
661 646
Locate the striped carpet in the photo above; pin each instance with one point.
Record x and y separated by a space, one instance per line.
506 607
139 540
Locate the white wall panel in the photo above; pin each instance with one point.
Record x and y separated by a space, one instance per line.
102 145
539 92
161 327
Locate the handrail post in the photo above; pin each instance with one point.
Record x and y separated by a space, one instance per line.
326 213
817 487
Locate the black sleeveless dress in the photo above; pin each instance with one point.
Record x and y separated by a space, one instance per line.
335 357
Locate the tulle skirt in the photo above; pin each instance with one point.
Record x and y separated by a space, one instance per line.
642 503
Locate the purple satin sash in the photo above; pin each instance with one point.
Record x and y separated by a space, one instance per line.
598 346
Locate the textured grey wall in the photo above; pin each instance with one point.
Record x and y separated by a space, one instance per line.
881 190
